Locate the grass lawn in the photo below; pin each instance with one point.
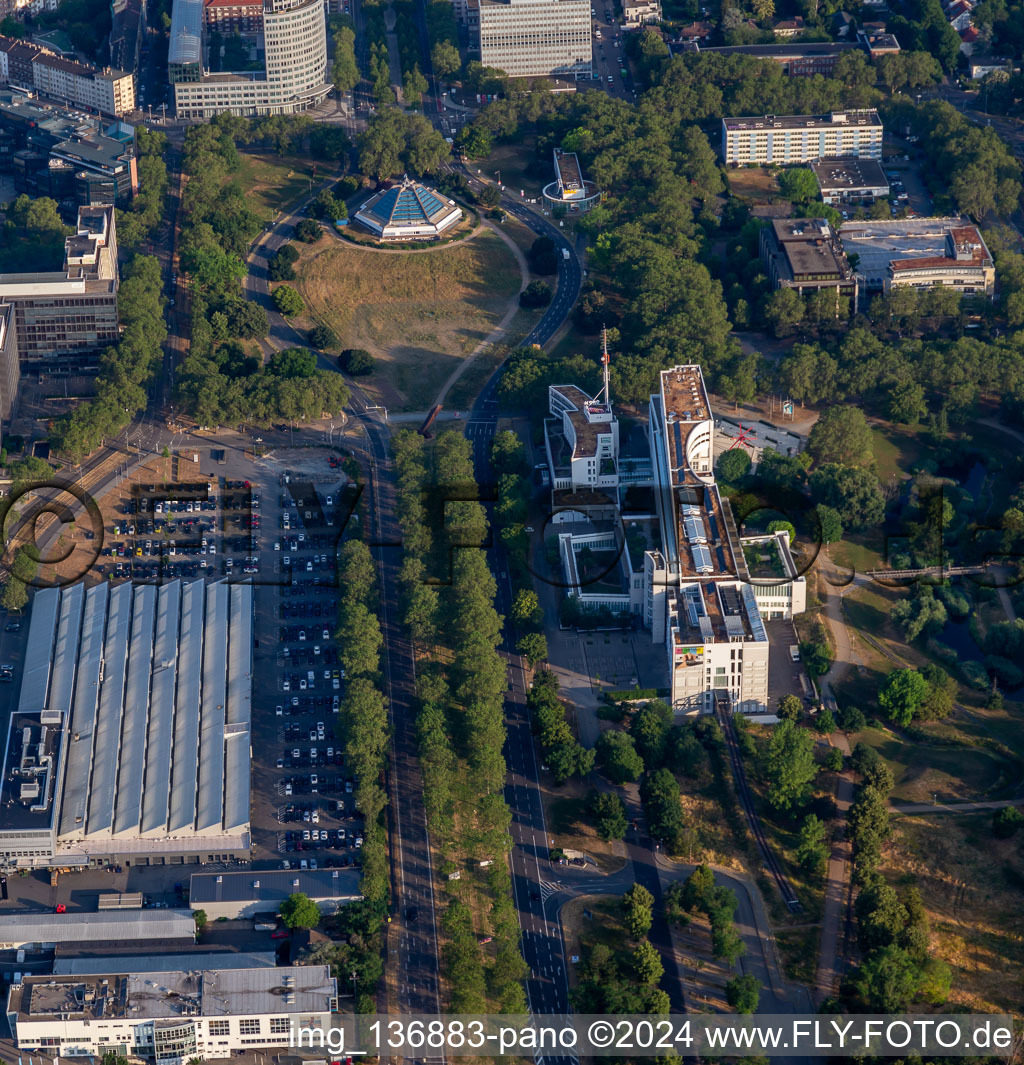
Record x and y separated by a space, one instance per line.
897 450
973 889
954 772
271 183
419 314
860 551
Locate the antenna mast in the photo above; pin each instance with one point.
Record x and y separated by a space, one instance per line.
604 363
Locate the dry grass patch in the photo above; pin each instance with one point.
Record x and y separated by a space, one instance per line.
755 183
419 314
973 888
565 812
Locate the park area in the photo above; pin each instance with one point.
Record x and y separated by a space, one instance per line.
419 313
272 183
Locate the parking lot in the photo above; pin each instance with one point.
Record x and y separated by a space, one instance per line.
304 812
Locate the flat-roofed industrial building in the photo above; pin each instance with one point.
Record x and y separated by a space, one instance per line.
170 1017
851 180
43 931
131 739
247 893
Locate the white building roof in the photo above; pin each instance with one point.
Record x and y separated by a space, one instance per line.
19 930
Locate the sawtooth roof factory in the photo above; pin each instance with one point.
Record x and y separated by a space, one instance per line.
130 741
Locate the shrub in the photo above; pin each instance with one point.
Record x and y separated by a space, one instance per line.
356 361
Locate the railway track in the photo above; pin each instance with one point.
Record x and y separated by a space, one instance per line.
771 863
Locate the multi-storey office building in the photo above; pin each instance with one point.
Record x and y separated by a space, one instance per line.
233 16
536 38
170 1017
69 314
55 151
698 597
920 253
805 254
294 77
777 140
10 366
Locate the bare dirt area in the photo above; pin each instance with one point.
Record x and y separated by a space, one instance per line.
973 887
304 462
755 183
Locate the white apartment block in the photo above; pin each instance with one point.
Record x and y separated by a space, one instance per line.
536 38
776 140
111 92
170 1017
294 77
637 12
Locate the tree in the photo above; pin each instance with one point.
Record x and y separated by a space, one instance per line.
414 85
536 294
789 765
322 337
345 70
886 981
637 906
697 888
533 646
618 758
444 58
247 320
834 760
489 196
743 993
790 708
543 256
299 911
14 596
783 311
647 964
356 361
842 435
288 301
825 722
292 362
902 695
812 848
852 492
1006 822
734 465
830 526
308 230
782 526
798 184
608 814
659 794
526 607
201 920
